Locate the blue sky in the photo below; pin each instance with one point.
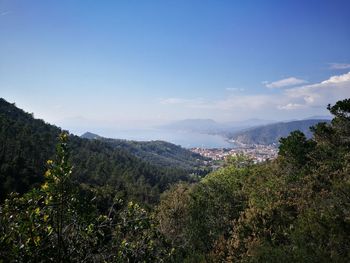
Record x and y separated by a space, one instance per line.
117 64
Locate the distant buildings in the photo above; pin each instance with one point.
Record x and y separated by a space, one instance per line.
258 153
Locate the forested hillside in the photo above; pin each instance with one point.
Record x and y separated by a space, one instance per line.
157 152
293 209
271 133
26 144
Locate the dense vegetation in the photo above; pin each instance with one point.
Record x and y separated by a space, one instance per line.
293 209
26 144
160 153
271 133
59 223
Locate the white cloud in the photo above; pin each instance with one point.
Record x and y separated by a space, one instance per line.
320 94
292 81
292 102
291 106
339 65
337 79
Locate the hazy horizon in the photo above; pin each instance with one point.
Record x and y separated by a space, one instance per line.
93 66
115 130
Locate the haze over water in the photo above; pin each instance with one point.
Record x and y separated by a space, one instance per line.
183 138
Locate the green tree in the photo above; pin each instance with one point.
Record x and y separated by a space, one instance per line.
238 161
58 223
295 149
172 215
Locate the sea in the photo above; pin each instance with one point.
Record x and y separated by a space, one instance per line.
185 139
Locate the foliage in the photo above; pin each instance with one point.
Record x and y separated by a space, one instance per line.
162 153
293 209
195 217
48 224
56 224
238 161
298 211
172 215
137 239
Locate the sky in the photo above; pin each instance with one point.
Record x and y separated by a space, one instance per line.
130 64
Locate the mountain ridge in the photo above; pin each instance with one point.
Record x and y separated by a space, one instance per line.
156 152
271 133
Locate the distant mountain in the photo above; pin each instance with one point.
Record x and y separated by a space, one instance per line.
160 153
271 133
89 135
248 123
319 117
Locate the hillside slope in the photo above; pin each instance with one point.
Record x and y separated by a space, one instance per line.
26 144
156 152
271 133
